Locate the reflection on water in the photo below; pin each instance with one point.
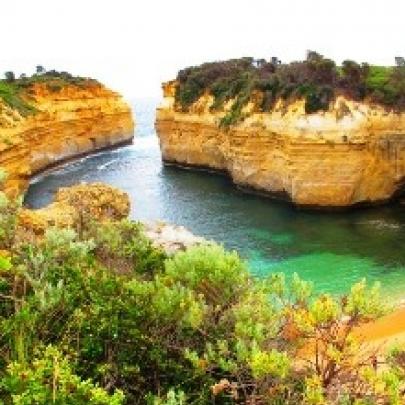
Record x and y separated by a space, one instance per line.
332 249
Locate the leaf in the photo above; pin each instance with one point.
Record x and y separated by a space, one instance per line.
5 263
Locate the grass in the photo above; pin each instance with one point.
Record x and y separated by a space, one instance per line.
11 94
15 94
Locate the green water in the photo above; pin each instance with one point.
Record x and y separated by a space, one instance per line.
332 249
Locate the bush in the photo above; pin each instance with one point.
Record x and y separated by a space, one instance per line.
317 79
10 76
104 317
49 379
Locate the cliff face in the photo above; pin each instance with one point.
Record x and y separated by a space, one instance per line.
354 153
69 122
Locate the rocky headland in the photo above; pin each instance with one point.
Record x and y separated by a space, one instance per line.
46 120
345 152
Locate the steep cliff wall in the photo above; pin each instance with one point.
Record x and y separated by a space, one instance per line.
352 154
69 121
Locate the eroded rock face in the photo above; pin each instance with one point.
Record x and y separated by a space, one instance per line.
352 154
69 122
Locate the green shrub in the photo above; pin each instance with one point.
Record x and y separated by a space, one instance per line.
208 270
105 317
122 247
317 79
49 379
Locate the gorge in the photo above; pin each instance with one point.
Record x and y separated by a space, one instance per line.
331 249
120 295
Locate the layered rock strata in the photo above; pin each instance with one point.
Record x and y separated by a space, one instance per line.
69 122
352 154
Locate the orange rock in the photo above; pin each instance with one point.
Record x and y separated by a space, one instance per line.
70 122
354 153
388 331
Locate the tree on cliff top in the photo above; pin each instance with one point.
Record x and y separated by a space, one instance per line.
40 69
9 76
317 80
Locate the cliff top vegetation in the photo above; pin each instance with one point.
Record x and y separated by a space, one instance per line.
17 92
316 79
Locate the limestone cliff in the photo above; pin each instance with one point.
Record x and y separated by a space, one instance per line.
352 154
69 121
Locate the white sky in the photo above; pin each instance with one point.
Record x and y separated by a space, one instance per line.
133 46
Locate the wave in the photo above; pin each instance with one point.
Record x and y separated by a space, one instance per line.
381 224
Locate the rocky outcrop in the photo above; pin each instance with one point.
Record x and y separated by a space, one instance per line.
69 121
352 154
100 202
97 201
171 238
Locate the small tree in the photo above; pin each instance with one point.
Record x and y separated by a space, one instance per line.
400 61
40 69
10 76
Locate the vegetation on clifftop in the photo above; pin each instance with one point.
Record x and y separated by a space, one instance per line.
97 315
17 92
317 79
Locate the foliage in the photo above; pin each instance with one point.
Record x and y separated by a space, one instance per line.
8 211
317 80
123 247
101 316
50 379
16 93
10 76
10 95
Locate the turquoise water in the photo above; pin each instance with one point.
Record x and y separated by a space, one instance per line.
332 249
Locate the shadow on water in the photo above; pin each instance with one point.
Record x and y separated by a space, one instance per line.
332 249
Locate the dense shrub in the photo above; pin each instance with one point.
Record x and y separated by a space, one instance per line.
49 380
103 317
317 79
197 328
